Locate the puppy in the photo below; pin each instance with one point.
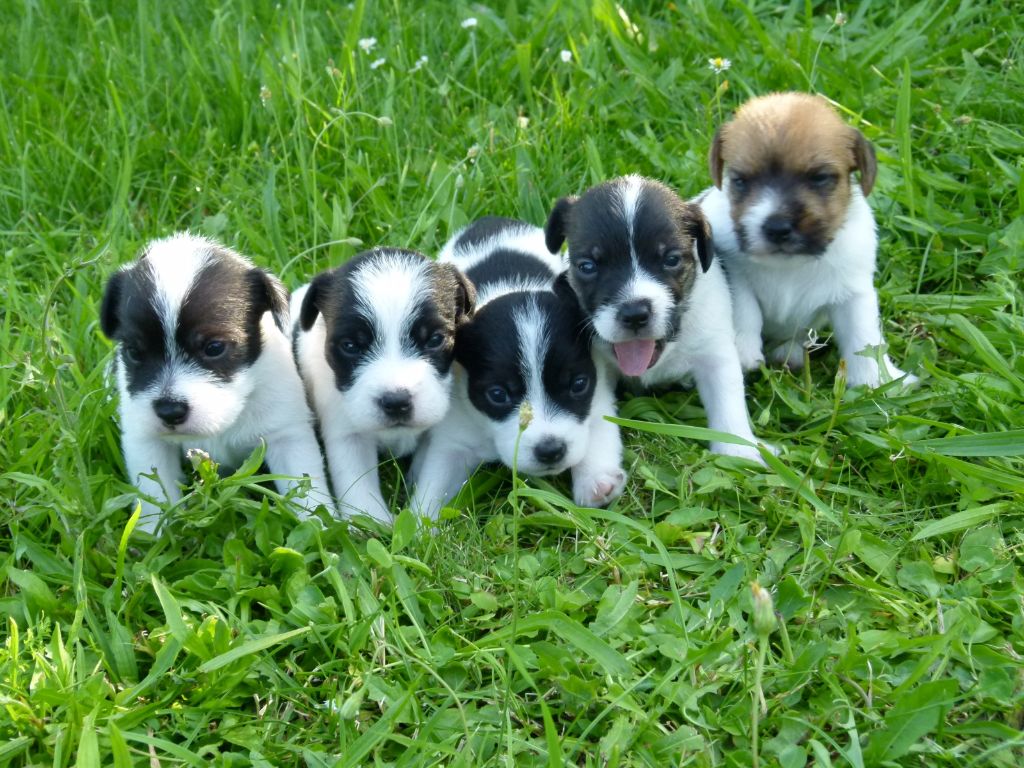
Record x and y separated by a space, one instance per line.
374 340
641 262
527 344
203 361
796 236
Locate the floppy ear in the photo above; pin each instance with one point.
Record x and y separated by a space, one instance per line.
271 296
109 319
697 227
311 301
715 161
554 230
465 293
865 160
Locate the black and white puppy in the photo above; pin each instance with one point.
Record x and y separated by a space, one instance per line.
375 340
641 261
203 361
796 236
528 344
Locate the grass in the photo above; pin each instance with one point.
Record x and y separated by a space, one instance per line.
527 631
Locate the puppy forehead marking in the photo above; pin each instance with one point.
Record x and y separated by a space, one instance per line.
629 198
791 130
389 289
532 325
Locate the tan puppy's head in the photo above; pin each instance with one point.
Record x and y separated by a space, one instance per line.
785 162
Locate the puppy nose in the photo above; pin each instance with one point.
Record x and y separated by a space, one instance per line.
777 228
397 403
550 450
171 412
635 314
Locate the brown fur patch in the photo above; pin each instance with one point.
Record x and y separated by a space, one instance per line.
789 140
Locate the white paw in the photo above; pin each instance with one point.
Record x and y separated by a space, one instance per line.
748 452
598 487
790 354
751 353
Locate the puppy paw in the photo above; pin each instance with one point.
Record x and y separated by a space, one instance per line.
750 351
789 354
598 487
748 452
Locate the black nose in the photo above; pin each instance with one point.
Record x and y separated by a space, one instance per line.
171 412
397 403
635 314
777 228
550 450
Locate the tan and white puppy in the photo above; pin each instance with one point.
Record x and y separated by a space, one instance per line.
795 233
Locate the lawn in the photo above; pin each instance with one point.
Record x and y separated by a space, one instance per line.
526 631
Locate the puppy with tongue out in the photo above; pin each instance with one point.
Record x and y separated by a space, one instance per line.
641 263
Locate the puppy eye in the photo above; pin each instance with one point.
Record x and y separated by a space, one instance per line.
821 179
214 349
580 385
349 347
497 395
436 341
738 183
672 259
586 267
132 354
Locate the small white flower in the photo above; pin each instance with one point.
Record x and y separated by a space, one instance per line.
469 23
420 63
385 121
566 56
840 19
718 65
264 95
378 63
523 122
367 44
473 151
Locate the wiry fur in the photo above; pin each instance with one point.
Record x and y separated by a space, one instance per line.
374 340
527 344
183 297
796 235
634 244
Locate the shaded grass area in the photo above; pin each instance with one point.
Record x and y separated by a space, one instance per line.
526 631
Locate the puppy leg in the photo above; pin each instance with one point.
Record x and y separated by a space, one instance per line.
353 463
145 455
295 453
599 478
439 469
747 319
857 325
720 385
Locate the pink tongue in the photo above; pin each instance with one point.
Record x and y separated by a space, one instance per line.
634 356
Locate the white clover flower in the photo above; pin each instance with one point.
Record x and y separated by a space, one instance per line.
565 56
367 44
840 19
718 65
469 23
420 63
523 122
378 63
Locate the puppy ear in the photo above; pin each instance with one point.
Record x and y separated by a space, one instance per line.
465 293
270 295
867 164
554 230
715 161
698 227
109 319
311 301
